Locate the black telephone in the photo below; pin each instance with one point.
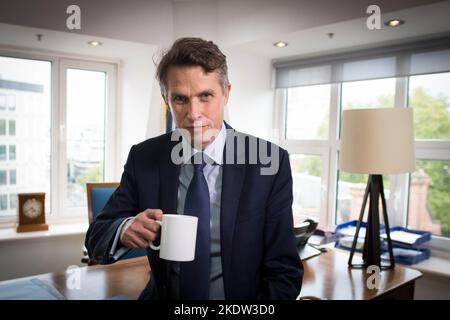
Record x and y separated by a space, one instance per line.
303 232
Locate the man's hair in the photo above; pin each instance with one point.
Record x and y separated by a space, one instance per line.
193 52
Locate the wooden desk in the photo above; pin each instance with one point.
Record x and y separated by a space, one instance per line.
326 277
100 282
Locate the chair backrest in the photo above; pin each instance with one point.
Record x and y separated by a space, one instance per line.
98 194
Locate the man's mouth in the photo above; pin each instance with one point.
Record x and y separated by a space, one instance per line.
197 127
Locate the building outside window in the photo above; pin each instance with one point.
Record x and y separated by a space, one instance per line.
58 154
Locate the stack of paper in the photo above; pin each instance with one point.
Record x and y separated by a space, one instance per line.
403 237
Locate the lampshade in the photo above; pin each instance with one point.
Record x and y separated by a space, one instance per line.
377 141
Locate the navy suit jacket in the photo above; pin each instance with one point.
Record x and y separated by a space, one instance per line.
258 250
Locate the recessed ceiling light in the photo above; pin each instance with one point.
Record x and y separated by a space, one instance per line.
95 43
280 44
394 22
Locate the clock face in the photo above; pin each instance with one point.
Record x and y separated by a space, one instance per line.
32 208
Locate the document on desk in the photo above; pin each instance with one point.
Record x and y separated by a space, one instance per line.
351 231
307 251
30 289
402 236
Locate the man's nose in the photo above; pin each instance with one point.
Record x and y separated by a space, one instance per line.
195 110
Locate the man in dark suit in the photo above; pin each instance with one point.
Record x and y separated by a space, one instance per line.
240 190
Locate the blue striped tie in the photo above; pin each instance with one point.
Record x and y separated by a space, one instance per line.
194 275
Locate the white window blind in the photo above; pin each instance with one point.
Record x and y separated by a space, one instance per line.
431 56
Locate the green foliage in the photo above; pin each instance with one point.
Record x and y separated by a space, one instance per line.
438 191
353 177
322 131
432 121
431 115
310 165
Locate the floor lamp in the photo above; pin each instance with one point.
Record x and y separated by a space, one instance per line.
376 142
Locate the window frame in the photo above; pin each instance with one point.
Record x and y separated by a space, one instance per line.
58 212
110 133
318 147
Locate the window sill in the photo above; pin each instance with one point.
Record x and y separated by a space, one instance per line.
54 230
438 265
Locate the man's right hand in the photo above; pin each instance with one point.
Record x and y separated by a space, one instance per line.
137 232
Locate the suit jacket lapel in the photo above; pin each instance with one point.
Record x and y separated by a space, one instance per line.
232 181
169 180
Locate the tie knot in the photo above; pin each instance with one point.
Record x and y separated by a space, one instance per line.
198 161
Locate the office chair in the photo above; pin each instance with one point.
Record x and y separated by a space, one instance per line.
97 196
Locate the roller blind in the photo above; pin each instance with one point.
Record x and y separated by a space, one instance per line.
423 57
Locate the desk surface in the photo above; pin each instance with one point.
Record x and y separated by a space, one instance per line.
100 282
326 277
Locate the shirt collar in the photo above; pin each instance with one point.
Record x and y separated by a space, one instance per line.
214 150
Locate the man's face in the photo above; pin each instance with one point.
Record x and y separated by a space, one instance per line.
197 101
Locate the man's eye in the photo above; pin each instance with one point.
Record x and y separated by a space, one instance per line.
179 99
206 95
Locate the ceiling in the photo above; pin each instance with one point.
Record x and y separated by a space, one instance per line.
228 22
420 23
249 25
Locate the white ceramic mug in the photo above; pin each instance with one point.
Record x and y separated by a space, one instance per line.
178 237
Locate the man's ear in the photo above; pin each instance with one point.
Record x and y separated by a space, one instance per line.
227 92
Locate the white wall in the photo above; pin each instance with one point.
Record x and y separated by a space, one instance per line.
250 107
141 114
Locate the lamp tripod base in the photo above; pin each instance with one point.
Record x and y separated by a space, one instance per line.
372 243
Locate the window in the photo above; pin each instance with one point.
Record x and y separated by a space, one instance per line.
29 82
3 180
88 104
12 127
12 152
429 96
3 202
2 152
307 185
419 200
429 201
62 146
13 201
307 124
307 114
86 91
2 127
2 101
378 93
12 176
